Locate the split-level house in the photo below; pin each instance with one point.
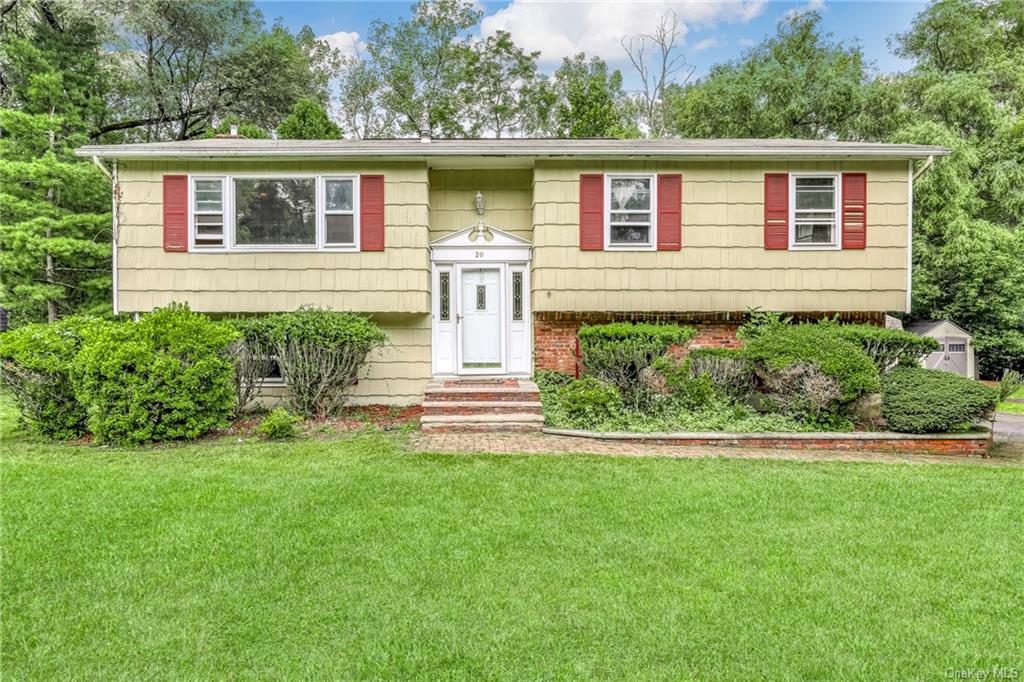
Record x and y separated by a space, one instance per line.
483 257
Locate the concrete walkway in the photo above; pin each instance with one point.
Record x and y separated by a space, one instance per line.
537 443
1009 427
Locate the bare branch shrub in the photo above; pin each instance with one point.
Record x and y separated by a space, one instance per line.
319 379
253 363
732 375
801 390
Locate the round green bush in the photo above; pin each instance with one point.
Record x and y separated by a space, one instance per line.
35 363
782 345
167 376
917 400
280 424
582 403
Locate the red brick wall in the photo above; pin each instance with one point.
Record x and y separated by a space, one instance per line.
554 334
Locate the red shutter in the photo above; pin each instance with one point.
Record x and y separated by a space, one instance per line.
371 212
670 207
776 210
592 212
855 210
175 213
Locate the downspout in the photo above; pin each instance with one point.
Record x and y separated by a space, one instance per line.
115 205
911 176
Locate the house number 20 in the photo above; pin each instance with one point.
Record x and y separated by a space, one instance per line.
478 254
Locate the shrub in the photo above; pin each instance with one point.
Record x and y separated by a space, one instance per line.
619 352
321 353
759 321
35 362
167 376
887 348
686 390
253 351
780 346
917 400
280 424
730 372
804 392
584 402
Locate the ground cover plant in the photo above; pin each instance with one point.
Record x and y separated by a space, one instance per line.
353 558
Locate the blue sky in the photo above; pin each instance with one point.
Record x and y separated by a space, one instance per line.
715 31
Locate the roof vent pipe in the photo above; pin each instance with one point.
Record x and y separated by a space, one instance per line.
425 129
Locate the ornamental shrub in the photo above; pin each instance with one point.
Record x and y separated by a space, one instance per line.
887 348
253 351
280 424
727 368
686 390
584 402
619 352
321 353
167 376
35 363
918 400
780 345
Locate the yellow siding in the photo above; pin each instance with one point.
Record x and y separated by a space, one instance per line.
397 374
722 265
394 280
508 200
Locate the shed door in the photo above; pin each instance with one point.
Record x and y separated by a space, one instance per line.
955 359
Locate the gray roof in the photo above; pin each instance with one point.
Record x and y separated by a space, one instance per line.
510 147
923 327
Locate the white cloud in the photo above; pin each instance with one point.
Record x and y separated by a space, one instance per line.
705 44
562 29
811 6
746 42
346 42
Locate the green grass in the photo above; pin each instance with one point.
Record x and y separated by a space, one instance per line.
1012 408
351 558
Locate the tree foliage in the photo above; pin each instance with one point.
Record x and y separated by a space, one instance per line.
588 100
308 121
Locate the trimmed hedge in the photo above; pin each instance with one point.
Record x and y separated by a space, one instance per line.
620 351
887 348
167 376
35 363
918 400
779 346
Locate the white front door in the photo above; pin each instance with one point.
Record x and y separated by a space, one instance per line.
480 320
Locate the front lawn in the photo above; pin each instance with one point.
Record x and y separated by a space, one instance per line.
351 558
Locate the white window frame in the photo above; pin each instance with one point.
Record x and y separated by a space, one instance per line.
192 212
653 233
837 241
322 211
228 208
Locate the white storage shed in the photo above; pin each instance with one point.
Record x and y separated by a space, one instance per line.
956 350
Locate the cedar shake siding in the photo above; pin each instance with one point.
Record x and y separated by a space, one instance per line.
724 263
393 280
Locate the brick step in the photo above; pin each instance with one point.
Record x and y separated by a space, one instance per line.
512 421
434 407
437 391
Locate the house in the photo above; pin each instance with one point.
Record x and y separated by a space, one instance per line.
956 349
483 257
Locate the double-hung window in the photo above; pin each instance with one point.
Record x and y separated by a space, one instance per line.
629 211
208 212
815 211
294 213
339 211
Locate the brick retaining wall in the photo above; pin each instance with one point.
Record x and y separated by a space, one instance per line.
959 444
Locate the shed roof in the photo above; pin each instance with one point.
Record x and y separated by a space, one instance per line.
924 327
511 147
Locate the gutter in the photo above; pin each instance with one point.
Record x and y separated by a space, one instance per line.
115 205
927 164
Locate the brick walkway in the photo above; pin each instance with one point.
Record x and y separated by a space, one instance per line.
536 443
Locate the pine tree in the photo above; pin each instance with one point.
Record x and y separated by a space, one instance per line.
55 221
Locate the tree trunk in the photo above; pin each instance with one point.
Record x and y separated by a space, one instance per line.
51 268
